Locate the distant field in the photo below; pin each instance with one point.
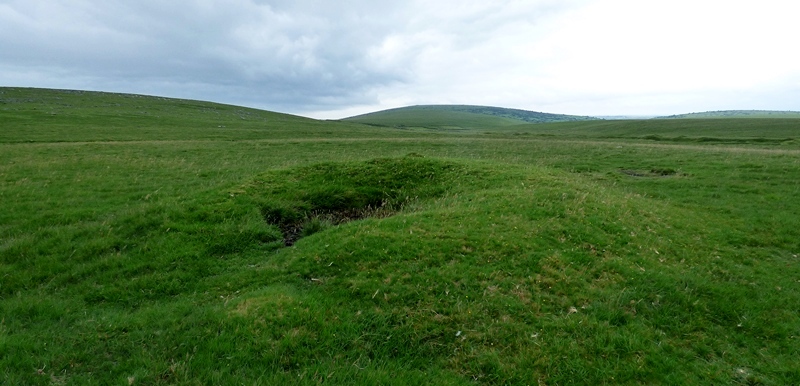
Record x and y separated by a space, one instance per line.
158 241
739 114
718 130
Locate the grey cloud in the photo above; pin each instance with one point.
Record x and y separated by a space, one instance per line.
278 53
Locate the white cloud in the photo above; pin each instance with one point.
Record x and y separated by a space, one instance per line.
603 57
671 46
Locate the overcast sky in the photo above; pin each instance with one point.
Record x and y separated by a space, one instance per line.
332 59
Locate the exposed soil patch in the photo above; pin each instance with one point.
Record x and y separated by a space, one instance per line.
654 172
320 220
310 199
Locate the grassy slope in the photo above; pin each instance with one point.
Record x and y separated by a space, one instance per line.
139 252
58 115
457 117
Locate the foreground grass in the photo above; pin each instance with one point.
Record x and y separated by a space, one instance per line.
504 259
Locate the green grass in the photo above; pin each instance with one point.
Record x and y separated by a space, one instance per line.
150 250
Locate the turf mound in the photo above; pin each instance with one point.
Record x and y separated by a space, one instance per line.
494 275
305 200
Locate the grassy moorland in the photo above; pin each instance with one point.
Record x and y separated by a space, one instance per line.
739 114
157 241
773 131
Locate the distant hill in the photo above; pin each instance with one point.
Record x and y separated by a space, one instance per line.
51 115
459 117
737 114
624 117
